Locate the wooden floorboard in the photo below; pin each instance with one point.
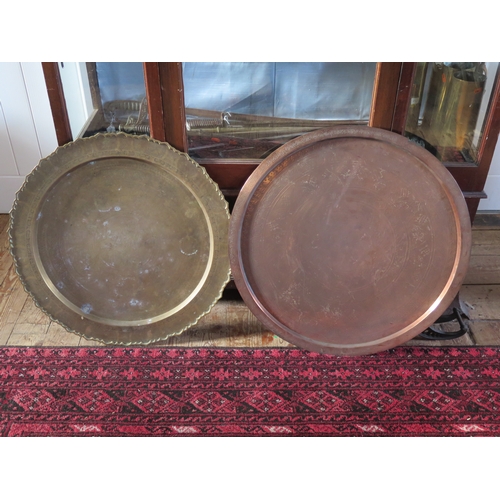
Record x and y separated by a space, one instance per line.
5 257
486 242
483 269
231 324
487 221
12 301
482 301
4 222
484 265
56 335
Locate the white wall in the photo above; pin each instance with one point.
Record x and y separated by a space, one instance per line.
492 186
27 131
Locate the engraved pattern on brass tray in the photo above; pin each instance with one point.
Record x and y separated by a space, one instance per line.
349 240
121 239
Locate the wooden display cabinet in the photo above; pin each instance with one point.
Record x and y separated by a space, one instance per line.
396 88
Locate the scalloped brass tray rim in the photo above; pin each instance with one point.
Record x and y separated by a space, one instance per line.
221 258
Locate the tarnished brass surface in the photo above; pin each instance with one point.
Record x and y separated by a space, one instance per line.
349 240
121 239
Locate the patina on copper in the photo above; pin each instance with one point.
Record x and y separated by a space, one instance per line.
349 240
121 239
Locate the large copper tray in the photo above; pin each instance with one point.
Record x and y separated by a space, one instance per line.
121 239
349 240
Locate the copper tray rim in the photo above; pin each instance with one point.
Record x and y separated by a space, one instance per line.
455 197
19 267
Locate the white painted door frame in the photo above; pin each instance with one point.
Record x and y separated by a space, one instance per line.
27 131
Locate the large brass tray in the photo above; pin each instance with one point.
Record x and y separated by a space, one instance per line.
121 239
349 240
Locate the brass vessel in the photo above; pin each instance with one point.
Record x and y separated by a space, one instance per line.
452 107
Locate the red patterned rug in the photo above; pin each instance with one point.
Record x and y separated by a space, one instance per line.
408 391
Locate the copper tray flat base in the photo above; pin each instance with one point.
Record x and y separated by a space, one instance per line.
349 240
121 239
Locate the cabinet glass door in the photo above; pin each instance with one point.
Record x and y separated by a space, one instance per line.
105 97
247 110
448 108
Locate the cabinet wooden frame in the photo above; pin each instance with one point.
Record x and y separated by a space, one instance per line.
57 102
